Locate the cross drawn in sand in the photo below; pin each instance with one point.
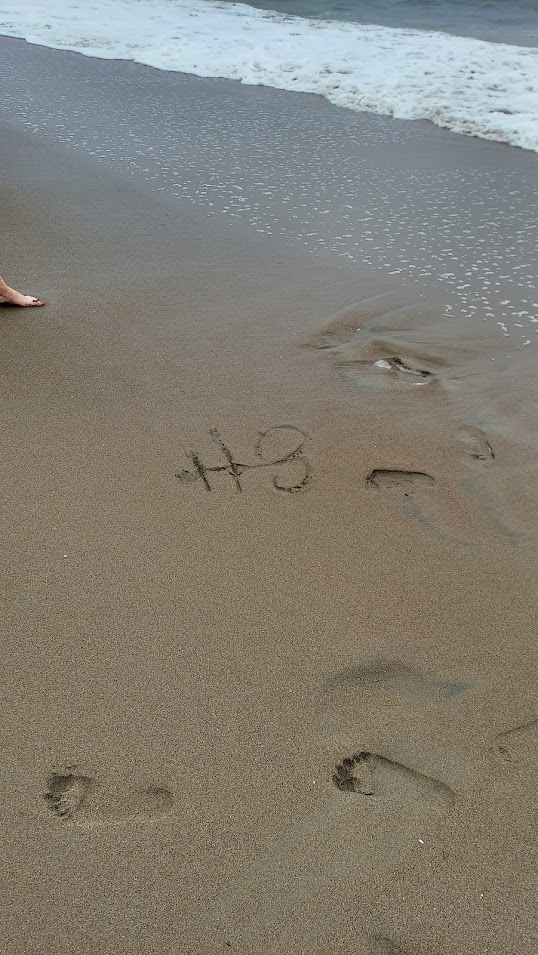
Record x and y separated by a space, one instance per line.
235 468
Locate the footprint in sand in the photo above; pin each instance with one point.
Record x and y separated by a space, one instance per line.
386 342
444 513
373 342
478 451
80 799
370 774
475 444
380 694
412 492
399 680
383 946
408 481
426 510
375 362
401 367
66 793
519 743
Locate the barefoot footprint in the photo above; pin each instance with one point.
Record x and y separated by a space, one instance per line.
66 793
521 742
371 774
81 800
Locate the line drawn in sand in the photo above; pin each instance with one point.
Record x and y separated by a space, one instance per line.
294 469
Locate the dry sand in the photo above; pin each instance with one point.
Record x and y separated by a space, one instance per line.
301 718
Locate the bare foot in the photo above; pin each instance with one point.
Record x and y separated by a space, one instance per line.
10 297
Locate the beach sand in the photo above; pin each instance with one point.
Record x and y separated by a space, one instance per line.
283 708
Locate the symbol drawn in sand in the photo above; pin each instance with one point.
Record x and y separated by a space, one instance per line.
507 744
294 470
371 775
81 800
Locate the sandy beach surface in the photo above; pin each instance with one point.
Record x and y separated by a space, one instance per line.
269 649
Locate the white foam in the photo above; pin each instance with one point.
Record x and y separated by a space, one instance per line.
470 86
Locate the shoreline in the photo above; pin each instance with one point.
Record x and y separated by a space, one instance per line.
473 86
408 200
186 672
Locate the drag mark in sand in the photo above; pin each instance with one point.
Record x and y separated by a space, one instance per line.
294 469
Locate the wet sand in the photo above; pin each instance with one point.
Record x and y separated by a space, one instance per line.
296 717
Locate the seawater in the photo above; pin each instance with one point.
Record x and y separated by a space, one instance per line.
498 21
457 81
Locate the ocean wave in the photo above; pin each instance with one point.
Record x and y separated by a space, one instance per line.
474 87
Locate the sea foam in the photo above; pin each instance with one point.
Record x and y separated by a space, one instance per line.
470 86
